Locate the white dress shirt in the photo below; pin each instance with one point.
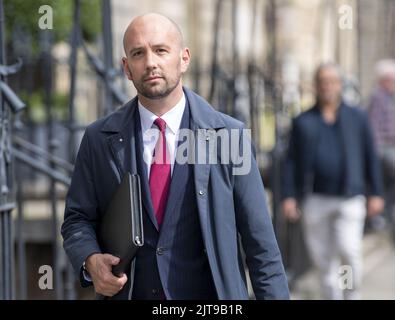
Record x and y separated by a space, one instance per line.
173 119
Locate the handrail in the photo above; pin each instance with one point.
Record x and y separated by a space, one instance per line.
40 166
20 142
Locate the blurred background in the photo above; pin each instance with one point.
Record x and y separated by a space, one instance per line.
253 59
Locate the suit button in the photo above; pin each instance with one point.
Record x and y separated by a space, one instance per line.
160 251
201 192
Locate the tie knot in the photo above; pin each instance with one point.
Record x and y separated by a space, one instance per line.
161 124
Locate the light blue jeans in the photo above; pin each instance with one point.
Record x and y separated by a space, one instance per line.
333 229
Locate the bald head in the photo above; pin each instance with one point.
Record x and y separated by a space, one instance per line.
332 67
328 80
154 23
155 58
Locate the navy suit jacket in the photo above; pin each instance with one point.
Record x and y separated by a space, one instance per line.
362 169
229 206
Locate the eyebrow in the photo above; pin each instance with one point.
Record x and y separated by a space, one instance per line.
154 46
135 49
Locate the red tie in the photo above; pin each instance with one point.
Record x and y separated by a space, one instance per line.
160 173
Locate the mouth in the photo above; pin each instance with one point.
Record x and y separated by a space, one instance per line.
152 78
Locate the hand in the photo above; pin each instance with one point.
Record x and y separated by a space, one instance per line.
99 268
375 206
290 209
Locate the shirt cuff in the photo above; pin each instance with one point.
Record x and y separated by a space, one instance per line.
85 274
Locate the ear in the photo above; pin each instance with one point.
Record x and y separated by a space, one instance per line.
126 69
185 59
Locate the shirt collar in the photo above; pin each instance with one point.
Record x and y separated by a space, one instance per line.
172 117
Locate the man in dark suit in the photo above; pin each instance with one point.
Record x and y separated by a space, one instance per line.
194 213
330 168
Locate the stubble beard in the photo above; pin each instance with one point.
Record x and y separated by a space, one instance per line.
157 91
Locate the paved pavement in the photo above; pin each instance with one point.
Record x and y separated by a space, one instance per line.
378 276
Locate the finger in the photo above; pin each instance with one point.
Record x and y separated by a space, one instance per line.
107 290
122 280
111 260
115 281
114 288
109 293
105 276
115 260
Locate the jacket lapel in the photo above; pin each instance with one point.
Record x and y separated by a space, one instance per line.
119 128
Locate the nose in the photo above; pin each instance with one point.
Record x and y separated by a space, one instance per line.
150 62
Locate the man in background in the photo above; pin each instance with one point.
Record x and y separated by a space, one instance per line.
382 116
331 169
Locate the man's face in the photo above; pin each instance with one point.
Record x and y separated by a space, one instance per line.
328 85
388 83
155 58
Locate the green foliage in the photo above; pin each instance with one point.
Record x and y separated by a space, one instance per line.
36 105
91 19
24 14
60 105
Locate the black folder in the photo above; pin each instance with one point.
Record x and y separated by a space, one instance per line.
120 232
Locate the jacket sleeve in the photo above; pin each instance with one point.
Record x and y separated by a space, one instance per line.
254 224
373 169
81 216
